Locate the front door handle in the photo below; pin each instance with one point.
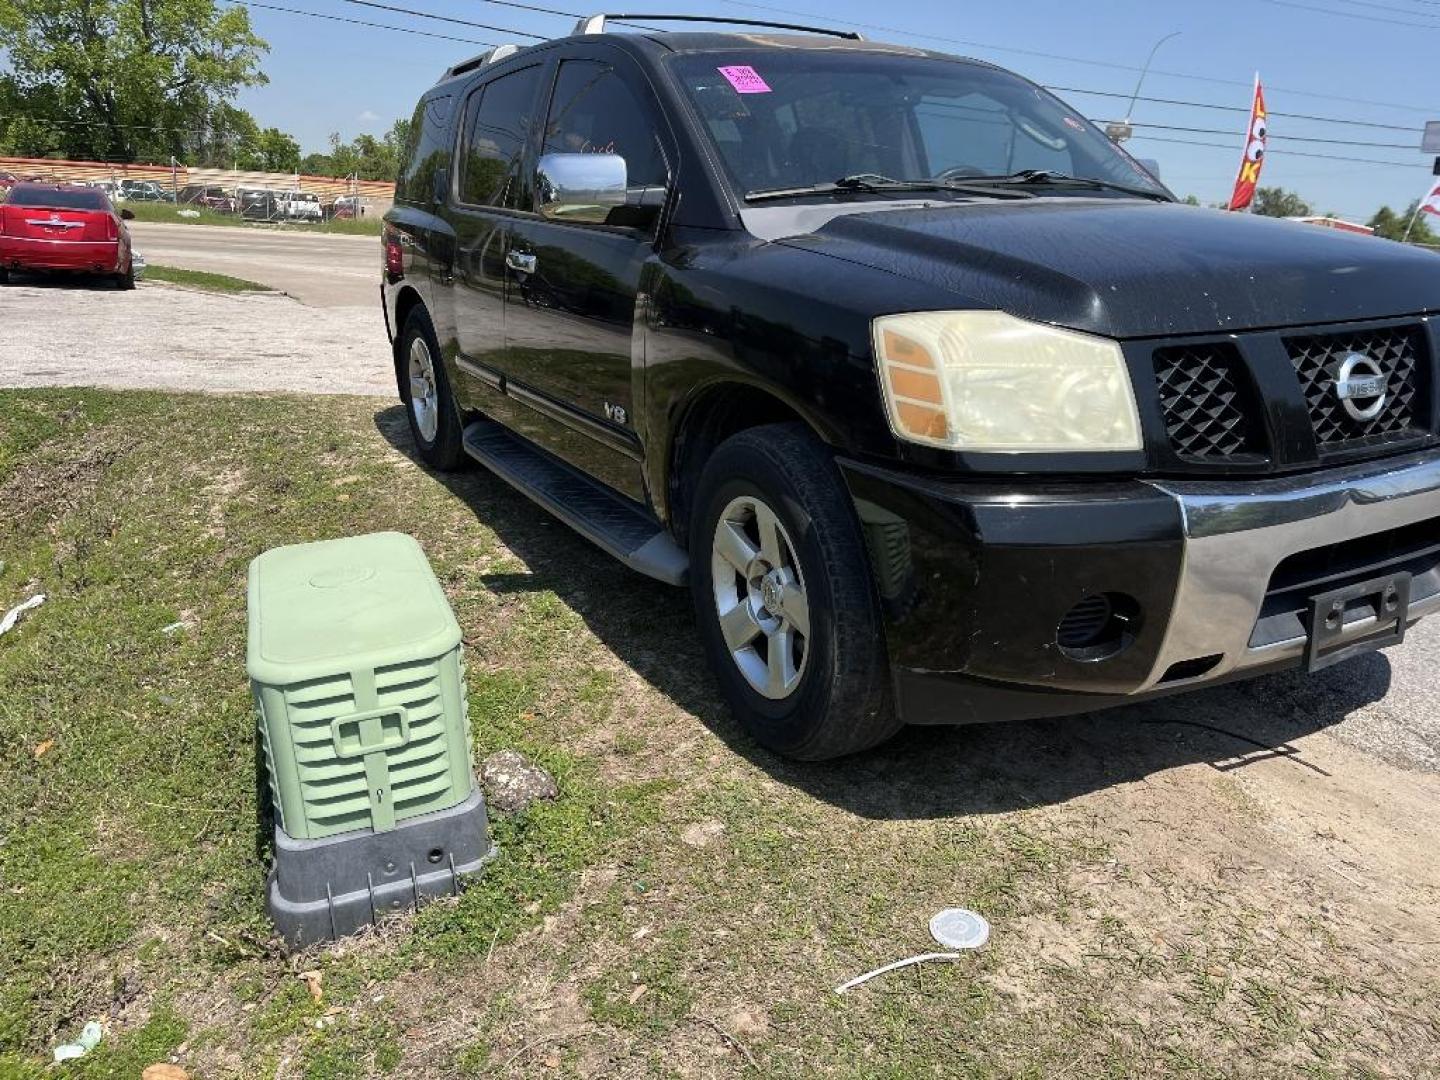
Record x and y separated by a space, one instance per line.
521 261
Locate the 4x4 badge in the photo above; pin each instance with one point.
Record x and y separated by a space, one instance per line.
1361 387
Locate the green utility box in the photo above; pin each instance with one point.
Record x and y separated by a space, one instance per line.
355 662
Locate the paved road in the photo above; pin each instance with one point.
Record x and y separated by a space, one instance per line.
162 337
318 269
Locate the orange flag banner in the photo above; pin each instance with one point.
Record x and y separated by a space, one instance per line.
1256 138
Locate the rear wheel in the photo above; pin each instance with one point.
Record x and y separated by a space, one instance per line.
425 390
126 281
782 589
4 276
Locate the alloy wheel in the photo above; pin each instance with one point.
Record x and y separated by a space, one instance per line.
760 597
424 393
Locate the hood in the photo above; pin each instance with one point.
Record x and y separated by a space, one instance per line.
1126 268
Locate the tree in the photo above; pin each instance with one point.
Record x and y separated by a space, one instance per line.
1277 202
1392 226
368 157
122 80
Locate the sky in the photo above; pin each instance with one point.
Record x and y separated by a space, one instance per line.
1372 61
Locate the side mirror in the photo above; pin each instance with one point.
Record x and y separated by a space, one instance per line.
580 187
127 215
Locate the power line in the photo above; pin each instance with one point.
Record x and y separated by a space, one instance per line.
1075 90
1389 7
358 22
1074 59
1281 138
1274 153
1353 15
872 26
445 18
1237 109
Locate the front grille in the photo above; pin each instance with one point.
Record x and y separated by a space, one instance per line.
1412 549
1397 351
1206 400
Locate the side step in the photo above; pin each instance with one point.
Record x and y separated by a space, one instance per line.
602 517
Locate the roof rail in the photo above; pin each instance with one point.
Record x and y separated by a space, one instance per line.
489 56
595 24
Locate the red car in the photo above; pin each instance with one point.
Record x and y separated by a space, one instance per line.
48 227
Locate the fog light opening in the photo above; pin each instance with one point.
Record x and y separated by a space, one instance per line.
1100 626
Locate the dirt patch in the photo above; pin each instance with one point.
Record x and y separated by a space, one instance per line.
56 486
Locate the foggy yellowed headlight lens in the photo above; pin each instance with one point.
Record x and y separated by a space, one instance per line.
987 381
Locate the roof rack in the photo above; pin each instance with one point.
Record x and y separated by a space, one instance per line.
595 24
489 56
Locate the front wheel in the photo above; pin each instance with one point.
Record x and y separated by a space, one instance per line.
781 583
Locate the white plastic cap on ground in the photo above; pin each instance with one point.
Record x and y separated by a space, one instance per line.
959 928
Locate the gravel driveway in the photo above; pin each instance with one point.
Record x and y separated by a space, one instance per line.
161 337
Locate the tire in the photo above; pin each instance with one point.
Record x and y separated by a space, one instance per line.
4 277
126 281
435 422
839 700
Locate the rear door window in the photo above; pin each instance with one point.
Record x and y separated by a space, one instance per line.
498 120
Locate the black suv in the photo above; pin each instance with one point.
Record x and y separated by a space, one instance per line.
943 407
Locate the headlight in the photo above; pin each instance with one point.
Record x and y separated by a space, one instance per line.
987 381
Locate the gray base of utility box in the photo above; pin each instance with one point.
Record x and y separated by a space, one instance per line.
323 889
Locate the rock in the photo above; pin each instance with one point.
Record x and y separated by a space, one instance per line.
164 1070
512 782
703 833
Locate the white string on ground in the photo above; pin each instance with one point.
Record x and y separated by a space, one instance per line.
925 958
13 615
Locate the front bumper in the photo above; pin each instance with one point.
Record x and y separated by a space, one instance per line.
976 578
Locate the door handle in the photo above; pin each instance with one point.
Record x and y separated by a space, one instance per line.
521 261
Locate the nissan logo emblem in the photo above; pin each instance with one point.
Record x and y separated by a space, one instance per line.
1360 386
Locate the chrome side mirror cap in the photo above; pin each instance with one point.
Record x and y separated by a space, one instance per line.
580 187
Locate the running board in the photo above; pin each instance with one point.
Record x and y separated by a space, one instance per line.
602 517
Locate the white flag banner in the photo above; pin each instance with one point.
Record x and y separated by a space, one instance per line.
1431 203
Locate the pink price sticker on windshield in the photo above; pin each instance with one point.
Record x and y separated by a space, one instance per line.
745 79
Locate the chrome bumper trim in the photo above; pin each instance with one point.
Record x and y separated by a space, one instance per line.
1235 537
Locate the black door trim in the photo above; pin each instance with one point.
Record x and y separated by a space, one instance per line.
619 439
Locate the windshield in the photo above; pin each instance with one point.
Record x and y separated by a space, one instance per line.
788 119
58 198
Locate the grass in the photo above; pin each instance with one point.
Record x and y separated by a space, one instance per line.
684 908
169 213
201 279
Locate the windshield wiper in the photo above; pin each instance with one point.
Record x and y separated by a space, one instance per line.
1050 177
868 183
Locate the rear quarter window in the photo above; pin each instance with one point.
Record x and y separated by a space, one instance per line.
427 150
